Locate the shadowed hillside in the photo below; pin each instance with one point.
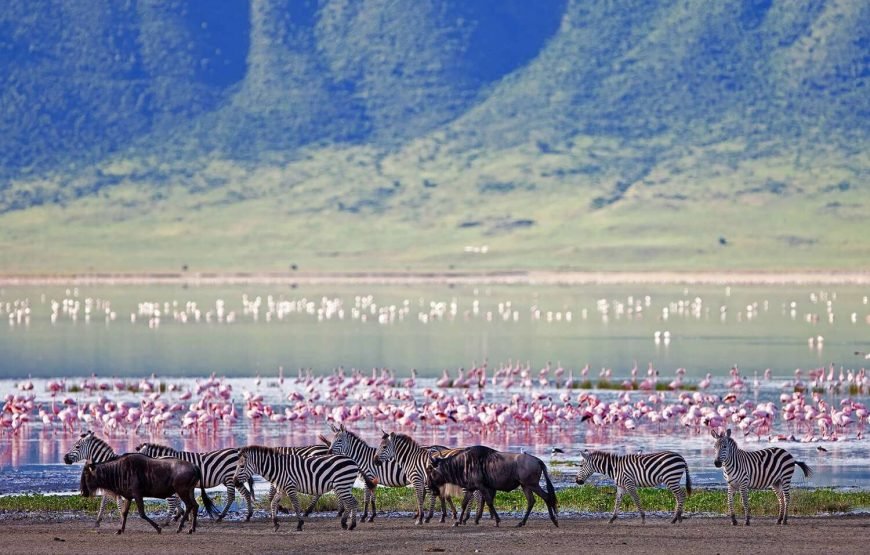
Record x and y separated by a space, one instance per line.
395 133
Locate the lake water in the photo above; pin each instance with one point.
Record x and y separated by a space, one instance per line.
72 334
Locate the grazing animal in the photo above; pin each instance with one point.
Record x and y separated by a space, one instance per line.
446 490
135 476
485 469
316 450
631 471
93 449
412 458
291 474
744 470
217 467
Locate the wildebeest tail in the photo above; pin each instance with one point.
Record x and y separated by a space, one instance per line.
206 500
551 491
808 472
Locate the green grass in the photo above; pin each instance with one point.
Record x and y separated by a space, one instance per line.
805 502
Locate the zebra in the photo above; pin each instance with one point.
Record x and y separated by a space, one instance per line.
316 450
91 448
413 459
631 471
292 473
744 470
217 467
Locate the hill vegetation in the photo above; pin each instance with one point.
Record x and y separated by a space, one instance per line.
408 134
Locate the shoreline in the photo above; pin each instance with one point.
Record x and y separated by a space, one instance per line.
518 277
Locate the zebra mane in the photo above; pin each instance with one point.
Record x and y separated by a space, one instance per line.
257 449
157 447
404 439
354 438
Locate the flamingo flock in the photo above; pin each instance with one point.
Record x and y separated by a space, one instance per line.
812 407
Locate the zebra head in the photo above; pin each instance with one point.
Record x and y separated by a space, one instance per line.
724 446
386 450
245 467
586 468
83 448
340 444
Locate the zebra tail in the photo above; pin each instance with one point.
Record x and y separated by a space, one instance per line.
551 491
371 481
206 500
808 472
688 483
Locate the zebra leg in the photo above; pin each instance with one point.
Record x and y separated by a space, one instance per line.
432 505
294 499
632 491
367 495
125 510
273 506
620 491
314 500
272 492
744 495
420 489
731 504
350 504
777 489
479 496
374 491
231 497
102 506
249 500
680 497
462 518
786 500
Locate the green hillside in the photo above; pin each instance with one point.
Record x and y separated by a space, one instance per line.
340 135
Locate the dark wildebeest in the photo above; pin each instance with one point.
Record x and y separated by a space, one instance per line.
480 468
135 476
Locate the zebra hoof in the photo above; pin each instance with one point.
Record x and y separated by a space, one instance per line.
299 526
520 524
190 531
119 532
352 525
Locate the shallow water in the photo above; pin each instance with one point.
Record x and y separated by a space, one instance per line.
114 331
428 328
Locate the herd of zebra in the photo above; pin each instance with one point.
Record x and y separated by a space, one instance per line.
474 472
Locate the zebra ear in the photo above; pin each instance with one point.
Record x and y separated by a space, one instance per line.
715 434
728 432
332 427
341 427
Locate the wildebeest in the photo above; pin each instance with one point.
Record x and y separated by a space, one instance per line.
135 476
487 470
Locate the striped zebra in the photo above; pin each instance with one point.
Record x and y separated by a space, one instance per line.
93 449
316 450
413 459
292 474
645 470
217 467
744 470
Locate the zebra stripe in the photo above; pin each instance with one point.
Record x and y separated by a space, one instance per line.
292 474
316 450
744 470
217 468
645 470
91 448
388 474
412 457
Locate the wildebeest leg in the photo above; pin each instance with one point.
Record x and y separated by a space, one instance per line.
530 502
140 504
190 507
124 511
489 497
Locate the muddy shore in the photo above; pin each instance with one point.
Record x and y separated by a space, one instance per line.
66 534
